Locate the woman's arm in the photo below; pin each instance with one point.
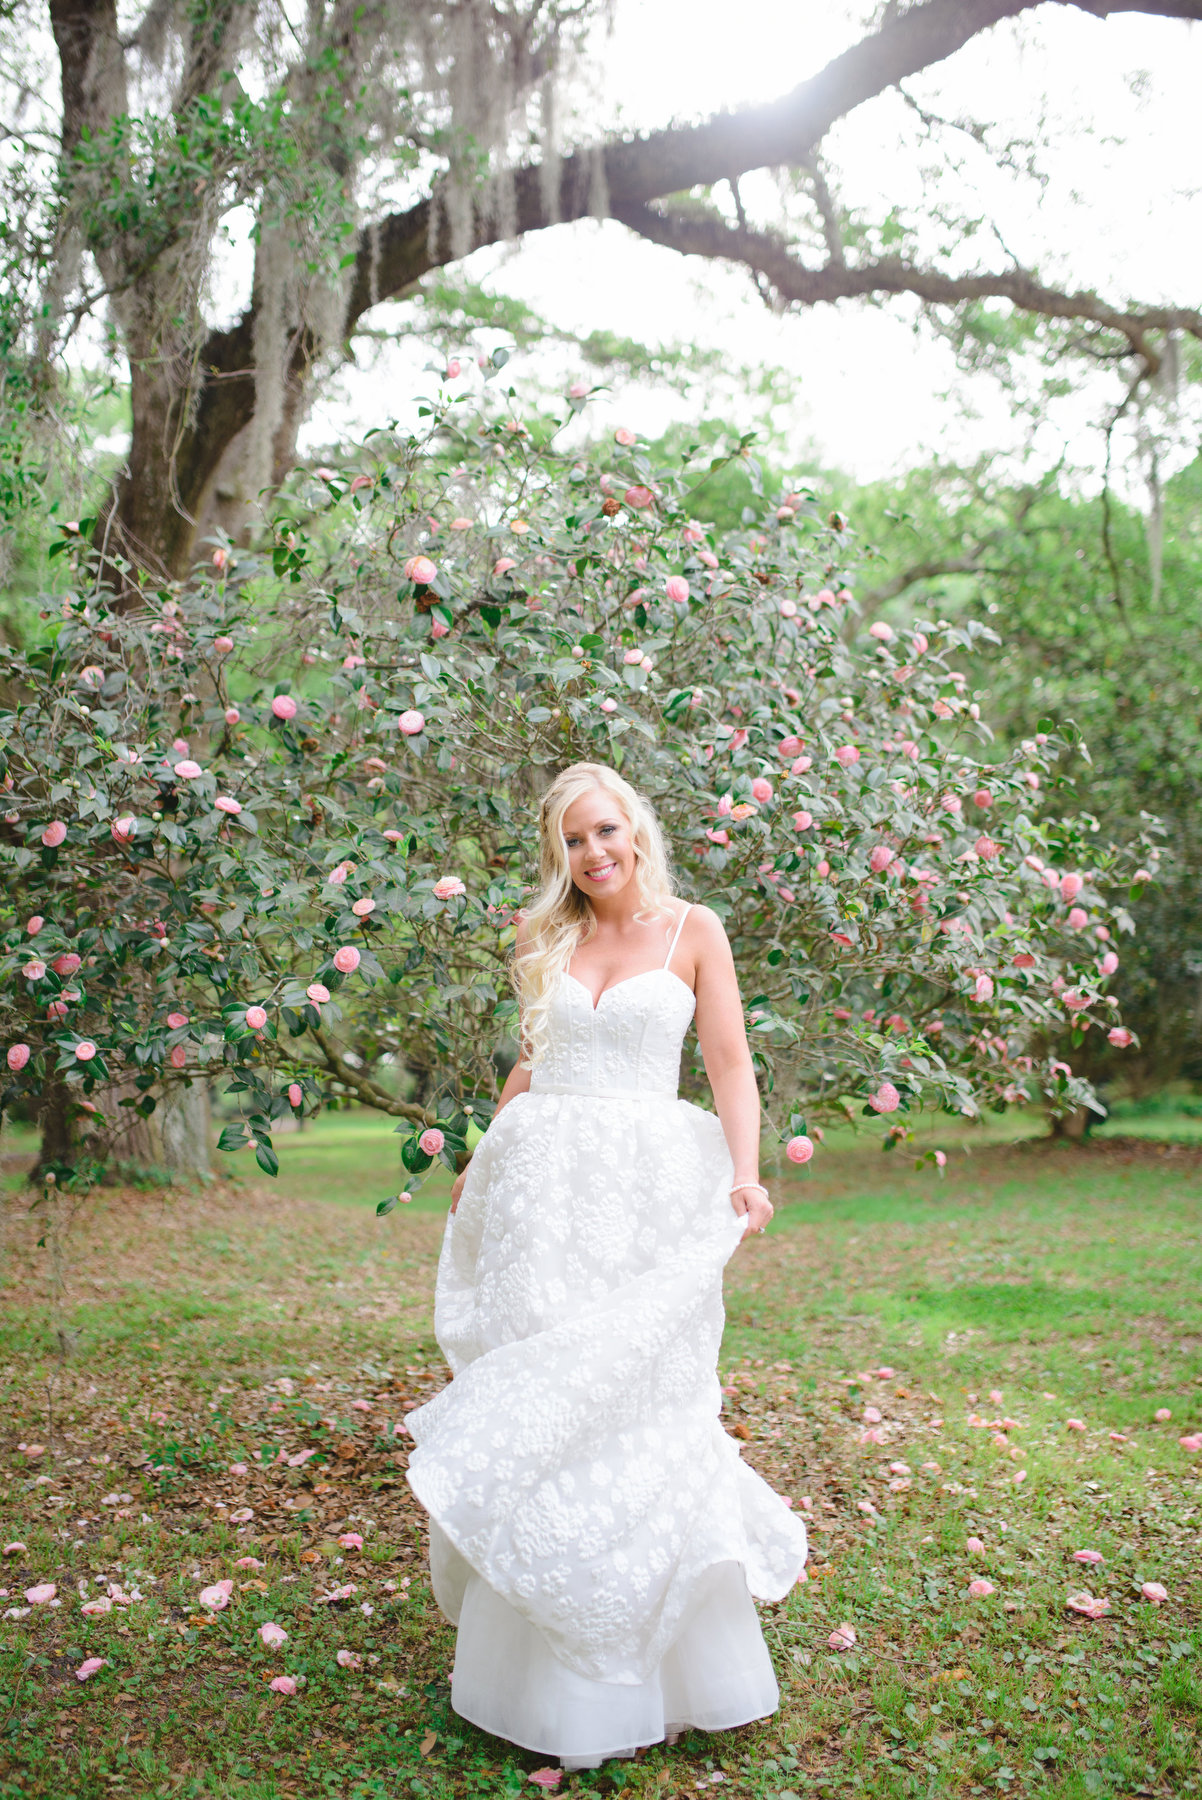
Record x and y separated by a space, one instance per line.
516 1082
723 1039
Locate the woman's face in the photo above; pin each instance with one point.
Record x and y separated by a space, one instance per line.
599 844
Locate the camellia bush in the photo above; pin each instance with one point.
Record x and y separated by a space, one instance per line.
273 826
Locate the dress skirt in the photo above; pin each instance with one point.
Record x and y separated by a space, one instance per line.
594 1531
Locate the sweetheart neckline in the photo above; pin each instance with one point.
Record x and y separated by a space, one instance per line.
625 982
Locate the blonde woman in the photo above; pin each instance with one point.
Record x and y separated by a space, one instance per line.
593 1531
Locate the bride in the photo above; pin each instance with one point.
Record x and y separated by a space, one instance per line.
593 1531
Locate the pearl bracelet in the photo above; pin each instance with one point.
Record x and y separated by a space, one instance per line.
757 1185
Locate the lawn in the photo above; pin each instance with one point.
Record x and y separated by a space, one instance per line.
208 1387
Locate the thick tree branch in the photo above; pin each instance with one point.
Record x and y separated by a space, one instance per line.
711 236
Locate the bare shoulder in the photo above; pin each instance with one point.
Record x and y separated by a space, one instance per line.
704 932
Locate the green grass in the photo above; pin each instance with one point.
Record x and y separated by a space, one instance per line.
157 1345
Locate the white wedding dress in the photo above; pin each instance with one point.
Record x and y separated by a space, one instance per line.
593 1530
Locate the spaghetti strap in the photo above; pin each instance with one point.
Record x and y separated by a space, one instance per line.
676 934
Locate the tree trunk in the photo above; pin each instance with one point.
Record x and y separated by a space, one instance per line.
174 1139
1074 1127
57 1152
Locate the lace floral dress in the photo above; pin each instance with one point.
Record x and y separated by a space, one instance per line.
594 1532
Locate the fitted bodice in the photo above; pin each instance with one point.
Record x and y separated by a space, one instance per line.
629 1043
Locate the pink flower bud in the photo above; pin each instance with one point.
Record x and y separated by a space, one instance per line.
431 1141
880 859
1078 918
799 1149
677 589
411 723
177 1056
54 834
802 820
220 558
223 645
454 369
882 632
18 1056
439 628
1120 1037
256 1017
982 798
1070 886
123 829
761 789
284 706
34 924
346 959
420 570
847 755
295 1095
624 436
232 715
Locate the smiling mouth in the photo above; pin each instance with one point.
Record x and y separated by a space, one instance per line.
602 873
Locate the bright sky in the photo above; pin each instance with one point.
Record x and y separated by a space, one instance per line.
1118 100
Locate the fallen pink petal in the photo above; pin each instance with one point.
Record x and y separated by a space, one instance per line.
90 1666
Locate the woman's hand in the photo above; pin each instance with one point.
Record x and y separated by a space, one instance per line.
457 1188
753 1204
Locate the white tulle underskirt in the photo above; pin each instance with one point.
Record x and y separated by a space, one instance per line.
508 1681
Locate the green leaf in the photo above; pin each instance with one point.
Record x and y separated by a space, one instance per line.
267 1159
386 1206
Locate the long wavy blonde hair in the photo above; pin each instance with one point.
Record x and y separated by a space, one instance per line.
560 916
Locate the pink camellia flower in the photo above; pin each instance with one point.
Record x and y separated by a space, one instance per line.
411 722
350 1540
362 908
420 570
761 789
54 834
799 1149
227 804
85 1051
624 436
983 988
975 1546
34 924
1023 959
1120 1037
346 1659
1074 1424
223 645
721 838
217 1597
886 1099
676 589
283 1684
638 497
318 992
123 829
882 632
273 1635
177 1056
220 558
1141 875
1153 1591
1162 1415
177 1020
1193 1441
546 1778
232 715
41 1595
346 959
439 628
847 755
941 1159
18 1056
1088 1556
431 1141
979 1588
98 1607
295 1095
789 747
1078 918
880 859
633 656
987 849
608 705
448 887
34 970
1109 964
256 1017
284 706
1070 886
67 963
503 565
842 1637
802 820
1085 1602
982 798
91 1665
187 770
